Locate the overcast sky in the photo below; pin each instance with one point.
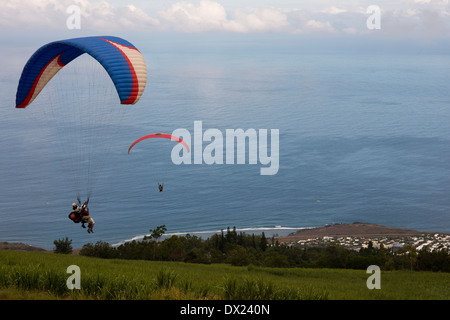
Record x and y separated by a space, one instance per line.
421 18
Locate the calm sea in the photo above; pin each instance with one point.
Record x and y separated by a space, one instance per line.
362 137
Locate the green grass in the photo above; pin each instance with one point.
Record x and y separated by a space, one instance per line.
42 275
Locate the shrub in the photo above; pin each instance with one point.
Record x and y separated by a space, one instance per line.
63 246
100 250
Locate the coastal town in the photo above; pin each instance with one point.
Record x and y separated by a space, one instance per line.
430 242
389 238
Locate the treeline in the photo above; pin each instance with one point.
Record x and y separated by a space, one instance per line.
240 249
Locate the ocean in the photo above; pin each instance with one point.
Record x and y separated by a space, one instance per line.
363 137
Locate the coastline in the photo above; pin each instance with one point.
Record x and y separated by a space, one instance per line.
269 231
19 246
355 229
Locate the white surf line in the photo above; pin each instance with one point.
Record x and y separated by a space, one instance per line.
212 232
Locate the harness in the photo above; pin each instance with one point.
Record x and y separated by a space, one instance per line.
77 216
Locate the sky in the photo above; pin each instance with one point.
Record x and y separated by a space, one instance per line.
405 26
418 18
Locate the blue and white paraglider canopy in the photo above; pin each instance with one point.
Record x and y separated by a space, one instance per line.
123 62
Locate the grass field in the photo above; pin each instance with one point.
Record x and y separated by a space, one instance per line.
43 275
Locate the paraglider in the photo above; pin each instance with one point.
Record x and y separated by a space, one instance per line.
81 214
160 135
124 66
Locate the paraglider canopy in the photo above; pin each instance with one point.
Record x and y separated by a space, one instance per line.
123 62
160 135
78 97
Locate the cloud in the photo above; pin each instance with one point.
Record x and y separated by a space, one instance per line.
319 26
259 20
416 21
334 10
211 16
52 15
304 22
28 14
133 18
418 17
186 17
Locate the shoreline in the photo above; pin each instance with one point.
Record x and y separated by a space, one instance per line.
355 229
209 233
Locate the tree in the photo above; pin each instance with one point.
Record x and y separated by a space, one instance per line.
101 249
63 246
271 258
238 256
156 233
263 242
412 253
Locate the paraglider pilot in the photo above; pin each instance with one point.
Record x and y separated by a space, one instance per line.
81 214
